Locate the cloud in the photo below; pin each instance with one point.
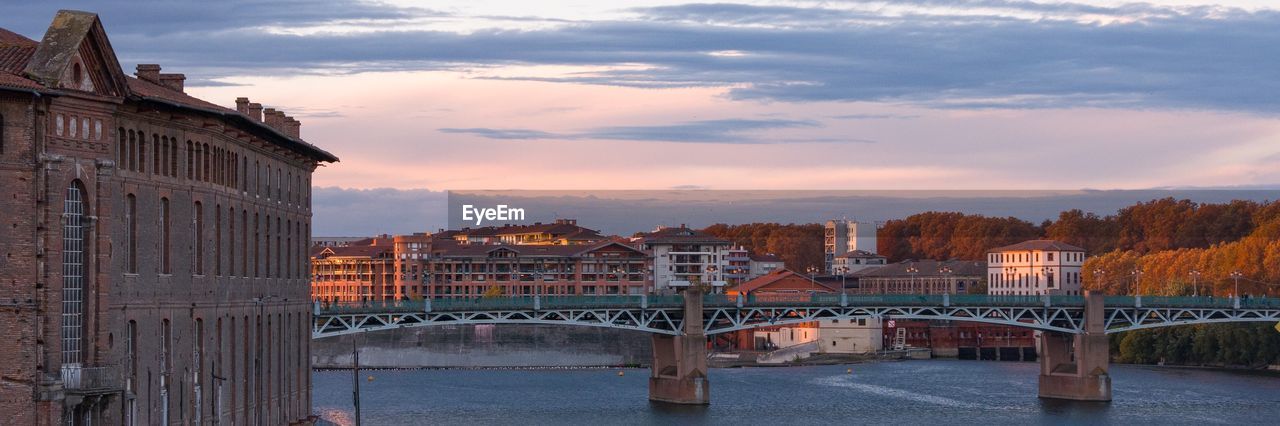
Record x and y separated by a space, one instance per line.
875 116
724 131
505 133
976 54
380 211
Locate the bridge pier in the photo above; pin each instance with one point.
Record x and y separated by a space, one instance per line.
678 374
1074 366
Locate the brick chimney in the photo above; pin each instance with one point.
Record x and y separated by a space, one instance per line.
294 127
242 105
148 72
255 111
273 119
173 81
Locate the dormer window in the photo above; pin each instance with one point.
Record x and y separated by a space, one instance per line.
75 75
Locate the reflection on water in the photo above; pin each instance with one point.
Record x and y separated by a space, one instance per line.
913 392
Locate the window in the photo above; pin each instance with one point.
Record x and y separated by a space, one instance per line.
173 157
133 152
72 126
58 125
199 234
1048 257
74 230
231 241
131 233
166 365
155 154
190 159
164 237
142 152
217 240
84 128
97 130
1 134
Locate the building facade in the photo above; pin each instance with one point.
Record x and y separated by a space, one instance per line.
921 277
682 256
1035 267
360 271
855 261
843 236
154 247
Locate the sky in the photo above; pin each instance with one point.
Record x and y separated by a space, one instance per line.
423 97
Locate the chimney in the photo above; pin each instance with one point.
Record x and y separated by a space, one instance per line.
173 81
270 118
255 111
294 126
242 105
149 72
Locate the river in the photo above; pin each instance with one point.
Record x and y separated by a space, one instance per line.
910 392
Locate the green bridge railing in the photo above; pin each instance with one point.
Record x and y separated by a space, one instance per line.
778 300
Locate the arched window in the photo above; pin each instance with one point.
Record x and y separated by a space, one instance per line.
244 243
257 244
206 163
199 234
157 160
75 227
164 237
131 233
163 158
173 157
190 161
217 240
142 152
133 152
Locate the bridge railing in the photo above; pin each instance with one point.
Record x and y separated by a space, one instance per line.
778 300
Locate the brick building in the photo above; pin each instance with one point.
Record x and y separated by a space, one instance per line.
559 258
359 271
153 247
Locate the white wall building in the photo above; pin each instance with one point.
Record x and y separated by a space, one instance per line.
682 255
855 261
850 336
843 236
1035 267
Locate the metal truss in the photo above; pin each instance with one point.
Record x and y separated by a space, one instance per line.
1126 319
717 319
658 321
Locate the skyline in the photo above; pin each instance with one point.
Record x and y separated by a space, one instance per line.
926 95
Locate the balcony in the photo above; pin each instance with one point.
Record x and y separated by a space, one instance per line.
91 380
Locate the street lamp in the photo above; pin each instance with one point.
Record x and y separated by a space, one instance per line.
912 270
946 272
813 282
1097 279
1137 275
1237 275
844 274
1195 283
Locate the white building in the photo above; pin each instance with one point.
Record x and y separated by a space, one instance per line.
1035 267
682 255
764 264
855 261
843 236
850 336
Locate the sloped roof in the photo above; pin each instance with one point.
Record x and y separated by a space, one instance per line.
860 254
781 275
680 235
764 258
1040 245
30 65
924 268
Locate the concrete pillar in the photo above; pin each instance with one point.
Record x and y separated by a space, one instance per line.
678 374
1074 366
